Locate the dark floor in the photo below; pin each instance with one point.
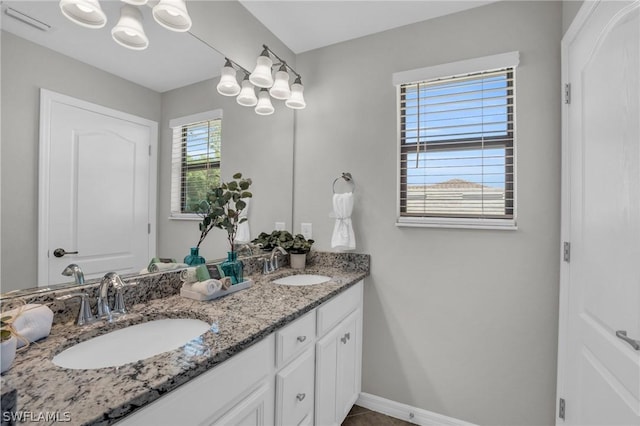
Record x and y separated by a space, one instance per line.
359 416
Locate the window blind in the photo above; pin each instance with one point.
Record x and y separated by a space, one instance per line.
457 144
195 163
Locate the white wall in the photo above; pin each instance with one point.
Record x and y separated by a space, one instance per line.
458 322
26 67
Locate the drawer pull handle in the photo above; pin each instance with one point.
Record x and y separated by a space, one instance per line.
302 338
301 396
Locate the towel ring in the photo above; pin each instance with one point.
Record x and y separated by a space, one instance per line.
348 178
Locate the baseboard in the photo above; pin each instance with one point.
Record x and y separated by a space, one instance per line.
407 413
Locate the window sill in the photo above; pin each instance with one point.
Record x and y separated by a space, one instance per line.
185 216
489 224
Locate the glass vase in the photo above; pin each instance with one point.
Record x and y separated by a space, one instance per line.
194 258
233 268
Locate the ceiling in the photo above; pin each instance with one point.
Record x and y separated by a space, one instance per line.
310 24
302 25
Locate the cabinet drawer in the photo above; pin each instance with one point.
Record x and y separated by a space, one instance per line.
294 338
332 312
295 391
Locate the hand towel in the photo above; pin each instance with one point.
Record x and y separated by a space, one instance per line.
188 275
243 234
202 273
32 322
343 237
161 266
207 287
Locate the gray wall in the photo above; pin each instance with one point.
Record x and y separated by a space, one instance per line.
26 67
458 322
569 10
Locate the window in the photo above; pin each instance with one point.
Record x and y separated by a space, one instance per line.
195 164
457 145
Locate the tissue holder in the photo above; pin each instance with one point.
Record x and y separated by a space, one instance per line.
199 296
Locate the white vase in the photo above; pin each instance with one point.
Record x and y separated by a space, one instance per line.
7 353
297 261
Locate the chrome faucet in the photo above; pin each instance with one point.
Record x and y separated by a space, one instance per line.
76 271
245 246
84 315
271 264
104 311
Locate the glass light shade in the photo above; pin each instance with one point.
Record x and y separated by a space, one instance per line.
261 75
129 32
135 2
87 13
247 96
296 100
173 15
264 106
280 88
228 85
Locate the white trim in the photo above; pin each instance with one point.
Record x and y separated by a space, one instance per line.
214 114
586 10
185 216
462 223
47 98
406 412
453 69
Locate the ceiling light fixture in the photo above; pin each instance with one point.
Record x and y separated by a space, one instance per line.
128 32
262 78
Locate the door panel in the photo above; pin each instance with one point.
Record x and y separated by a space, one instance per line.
96 188
603 217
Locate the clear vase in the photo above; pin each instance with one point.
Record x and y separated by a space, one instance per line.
194 258
233 268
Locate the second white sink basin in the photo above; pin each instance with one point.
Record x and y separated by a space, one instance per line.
302 279
131 344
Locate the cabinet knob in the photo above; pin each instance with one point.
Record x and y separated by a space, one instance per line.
301 396
302 338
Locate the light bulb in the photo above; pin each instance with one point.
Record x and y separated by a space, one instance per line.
247 96
280 89
228 85
264 106
296 100
261 75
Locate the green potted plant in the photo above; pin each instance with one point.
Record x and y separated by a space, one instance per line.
297 246
223 210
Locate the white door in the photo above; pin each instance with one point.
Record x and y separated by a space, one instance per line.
97 189
599 372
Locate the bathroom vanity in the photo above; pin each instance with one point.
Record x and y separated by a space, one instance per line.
275 354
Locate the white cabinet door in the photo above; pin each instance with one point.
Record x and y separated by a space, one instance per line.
254 410
338 366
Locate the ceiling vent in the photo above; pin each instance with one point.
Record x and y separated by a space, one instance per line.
23 17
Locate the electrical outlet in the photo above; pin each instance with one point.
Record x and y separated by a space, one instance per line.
280 226
306 230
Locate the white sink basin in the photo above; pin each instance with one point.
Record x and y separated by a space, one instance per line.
131 344
302 279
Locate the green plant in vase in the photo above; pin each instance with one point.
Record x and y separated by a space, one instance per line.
223 210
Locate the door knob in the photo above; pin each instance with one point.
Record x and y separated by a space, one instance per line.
59 252
635 344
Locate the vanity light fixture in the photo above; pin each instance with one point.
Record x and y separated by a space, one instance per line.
262 78
128 32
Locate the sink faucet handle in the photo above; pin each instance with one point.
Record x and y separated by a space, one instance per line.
267 267
118 304
84 316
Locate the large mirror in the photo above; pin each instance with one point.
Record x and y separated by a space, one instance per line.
144 84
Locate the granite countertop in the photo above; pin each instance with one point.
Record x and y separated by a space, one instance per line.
103 396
